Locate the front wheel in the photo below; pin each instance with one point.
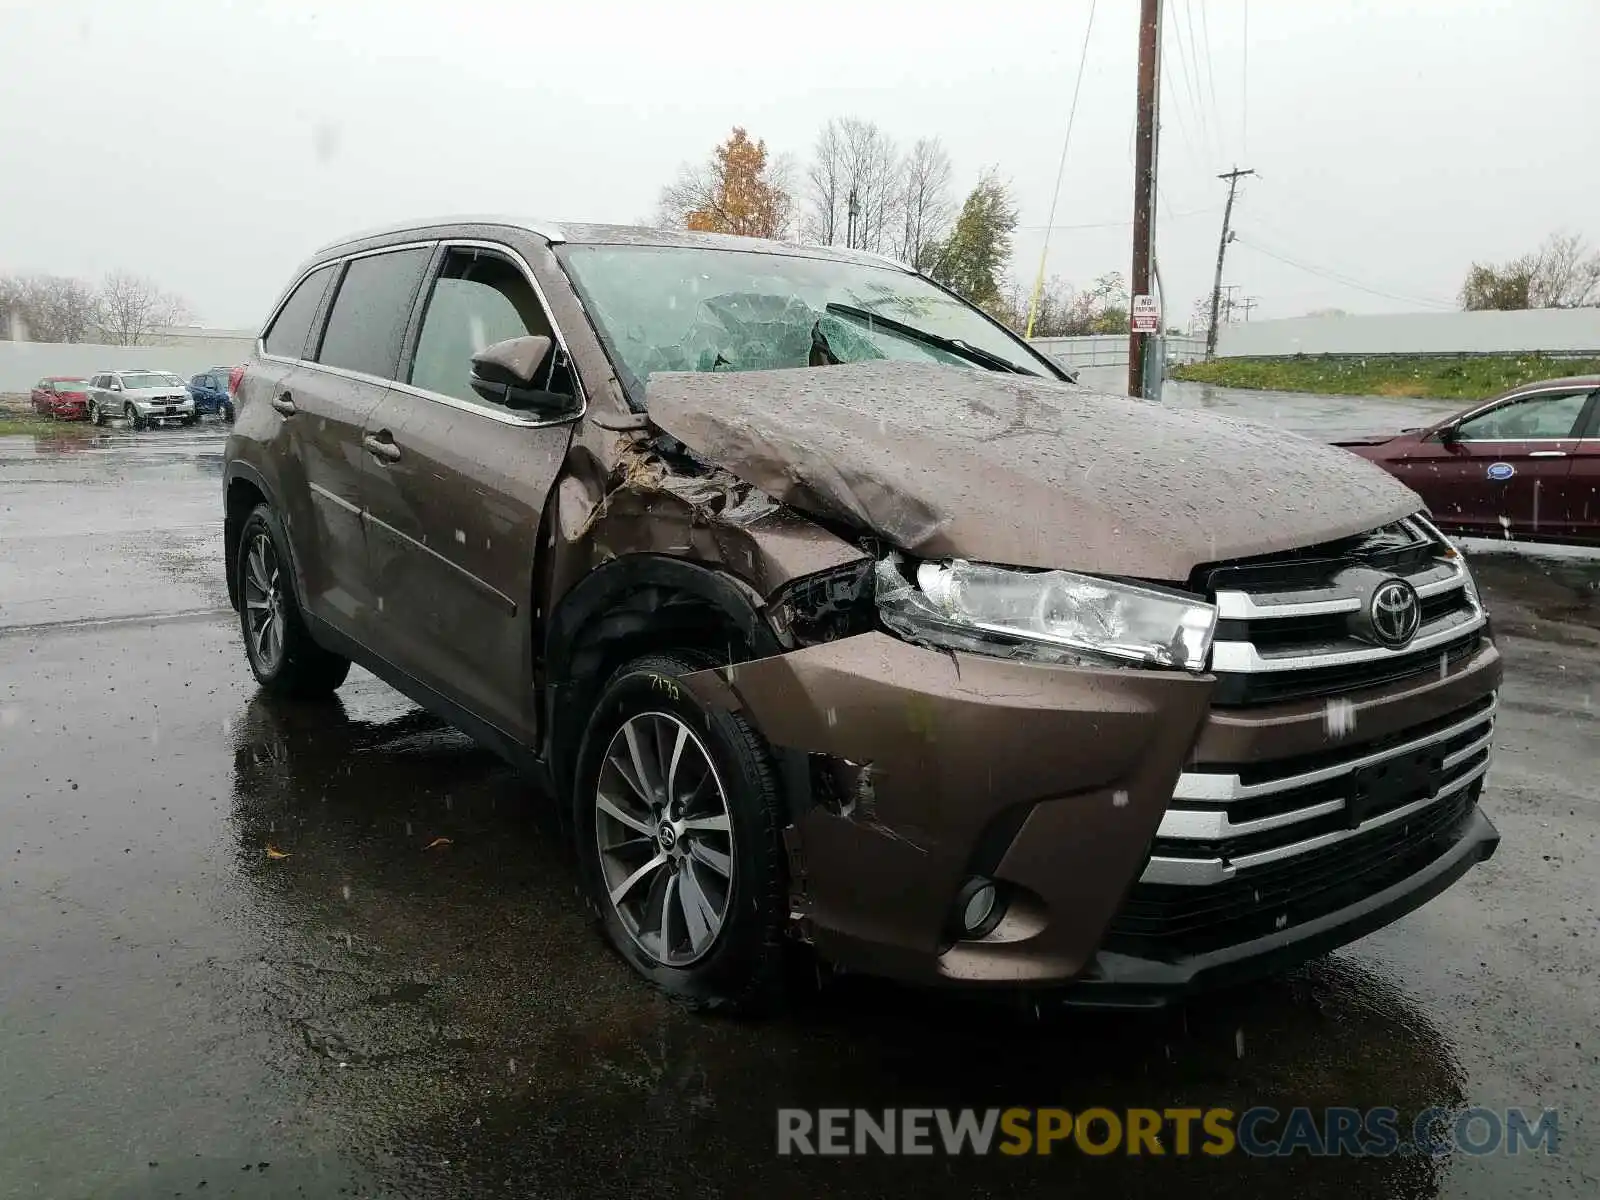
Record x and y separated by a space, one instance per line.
134 419
678 815
97 415
283 657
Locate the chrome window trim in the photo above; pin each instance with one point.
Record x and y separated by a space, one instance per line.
503 416
1513 399
1218 788
1203 872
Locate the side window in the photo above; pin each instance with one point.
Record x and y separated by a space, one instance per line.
367 323
1591 427
1549 416
287 337
478 299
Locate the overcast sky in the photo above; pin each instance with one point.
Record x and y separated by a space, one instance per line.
212 144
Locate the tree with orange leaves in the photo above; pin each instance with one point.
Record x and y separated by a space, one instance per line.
740 190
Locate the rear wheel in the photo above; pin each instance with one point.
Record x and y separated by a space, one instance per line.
677 814
283 657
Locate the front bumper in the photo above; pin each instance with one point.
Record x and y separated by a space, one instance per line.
164 413
1127 981
68 410
1051 780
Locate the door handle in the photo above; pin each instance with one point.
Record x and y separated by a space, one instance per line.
1547 454
381 447
284 403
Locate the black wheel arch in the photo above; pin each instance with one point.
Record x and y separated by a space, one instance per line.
634 605
244 487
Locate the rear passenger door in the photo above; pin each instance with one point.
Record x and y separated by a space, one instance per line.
456 486
1583 480
322 403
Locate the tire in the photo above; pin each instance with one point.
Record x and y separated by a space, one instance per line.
97 415
191 421
227 413
739 965
282 655
133 416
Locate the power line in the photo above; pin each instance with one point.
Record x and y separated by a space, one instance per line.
1211 70
1166 216
1061 169
1213 136
1244 87
1201 124
1337 277
1196 156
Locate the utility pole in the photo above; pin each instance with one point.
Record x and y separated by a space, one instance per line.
1228 303
1144 178
1233 178
1248 303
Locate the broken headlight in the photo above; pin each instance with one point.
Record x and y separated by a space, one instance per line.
1048 616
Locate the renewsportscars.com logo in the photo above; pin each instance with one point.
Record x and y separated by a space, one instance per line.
1257 1132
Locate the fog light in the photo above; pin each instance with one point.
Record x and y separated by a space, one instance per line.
977 908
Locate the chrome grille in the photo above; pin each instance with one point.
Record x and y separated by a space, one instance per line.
1286 625
1228 821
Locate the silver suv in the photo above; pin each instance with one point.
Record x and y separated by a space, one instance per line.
144 398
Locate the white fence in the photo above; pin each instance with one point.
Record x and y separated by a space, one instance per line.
22 364
1111 349
1555 330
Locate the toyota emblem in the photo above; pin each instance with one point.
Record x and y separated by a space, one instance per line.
1395 613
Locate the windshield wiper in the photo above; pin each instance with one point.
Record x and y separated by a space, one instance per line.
949 345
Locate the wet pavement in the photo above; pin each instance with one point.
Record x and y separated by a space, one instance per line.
235 952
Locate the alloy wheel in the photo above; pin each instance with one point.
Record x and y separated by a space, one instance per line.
263 603
664 837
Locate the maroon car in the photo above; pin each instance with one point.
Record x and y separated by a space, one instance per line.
63 396
1525 464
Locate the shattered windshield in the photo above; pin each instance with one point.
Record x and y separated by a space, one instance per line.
674 308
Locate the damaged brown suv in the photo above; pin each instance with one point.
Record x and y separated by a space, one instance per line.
833 614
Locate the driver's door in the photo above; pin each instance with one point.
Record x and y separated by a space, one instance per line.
1504 470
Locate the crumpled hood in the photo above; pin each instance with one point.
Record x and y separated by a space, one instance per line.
949 462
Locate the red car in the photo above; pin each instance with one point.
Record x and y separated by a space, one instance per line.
62 396
1525 464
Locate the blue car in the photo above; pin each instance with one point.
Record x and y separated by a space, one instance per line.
210 392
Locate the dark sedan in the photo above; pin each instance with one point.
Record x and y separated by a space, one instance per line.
1525 464
61 396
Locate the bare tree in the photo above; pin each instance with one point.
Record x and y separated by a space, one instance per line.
49 308
133 309
854 185
926 207
1566 274
1561 273
825 188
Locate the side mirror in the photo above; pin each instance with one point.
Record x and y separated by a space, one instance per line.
115 386
1450 434
508 373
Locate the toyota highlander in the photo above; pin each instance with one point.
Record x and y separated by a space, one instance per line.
833 614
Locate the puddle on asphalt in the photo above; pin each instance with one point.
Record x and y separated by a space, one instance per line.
457 1011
